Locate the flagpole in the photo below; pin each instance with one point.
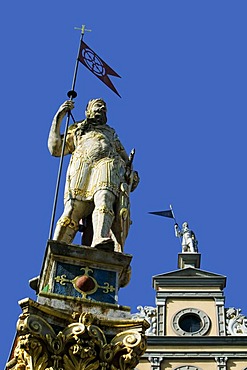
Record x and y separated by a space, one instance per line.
173 215
72 95
175 222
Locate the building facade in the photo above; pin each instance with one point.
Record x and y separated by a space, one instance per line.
191 329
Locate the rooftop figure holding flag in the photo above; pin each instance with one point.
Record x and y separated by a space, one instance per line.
189 242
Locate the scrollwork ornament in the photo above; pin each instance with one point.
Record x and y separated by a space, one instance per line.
128 348
74 330
148 313
129 338
236 323
86 318
97 335
35 325
132 340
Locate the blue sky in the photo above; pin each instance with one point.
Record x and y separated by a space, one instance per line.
183 108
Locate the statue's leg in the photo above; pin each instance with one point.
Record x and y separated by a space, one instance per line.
103 216
184 248
68 224
191 246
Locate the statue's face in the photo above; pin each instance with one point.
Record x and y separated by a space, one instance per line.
97 112
185 226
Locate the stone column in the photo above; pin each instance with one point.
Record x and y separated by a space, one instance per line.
161 317
221 315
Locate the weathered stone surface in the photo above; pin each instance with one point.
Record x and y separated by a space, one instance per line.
78 273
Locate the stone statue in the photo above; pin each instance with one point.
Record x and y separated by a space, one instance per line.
189 242
99 178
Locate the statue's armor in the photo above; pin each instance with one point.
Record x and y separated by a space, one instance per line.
95 163
186 237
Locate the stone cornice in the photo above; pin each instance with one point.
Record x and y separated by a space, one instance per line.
189 277
190 281
227 341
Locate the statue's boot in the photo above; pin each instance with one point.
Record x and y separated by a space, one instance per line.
66 230
102 222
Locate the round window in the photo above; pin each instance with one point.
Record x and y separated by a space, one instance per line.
191 322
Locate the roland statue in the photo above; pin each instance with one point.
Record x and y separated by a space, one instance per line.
99 179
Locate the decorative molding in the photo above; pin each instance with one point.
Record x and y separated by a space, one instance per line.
236 323
81 345
149 314
187 367
202 341
221 363
155 362
196 355
166 294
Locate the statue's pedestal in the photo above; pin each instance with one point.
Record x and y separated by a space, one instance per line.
83 278
188 259
77 322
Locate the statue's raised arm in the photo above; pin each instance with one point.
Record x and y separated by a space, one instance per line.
98 179
55 139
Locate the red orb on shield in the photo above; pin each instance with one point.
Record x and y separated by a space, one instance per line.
85 283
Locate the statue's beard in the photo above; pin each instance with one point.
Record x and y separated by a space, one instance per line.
99 118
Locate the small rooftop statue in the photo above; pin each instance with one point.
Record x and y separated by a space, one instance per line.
189 242
99 178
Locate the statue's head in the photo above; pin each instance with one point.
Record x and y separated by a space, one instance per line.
185 225
96 110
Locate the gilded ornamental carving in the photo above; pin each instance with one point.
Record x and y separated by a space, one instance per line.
80 346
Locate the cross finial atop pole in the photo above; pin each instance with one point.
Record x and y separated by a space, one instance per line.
82 29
